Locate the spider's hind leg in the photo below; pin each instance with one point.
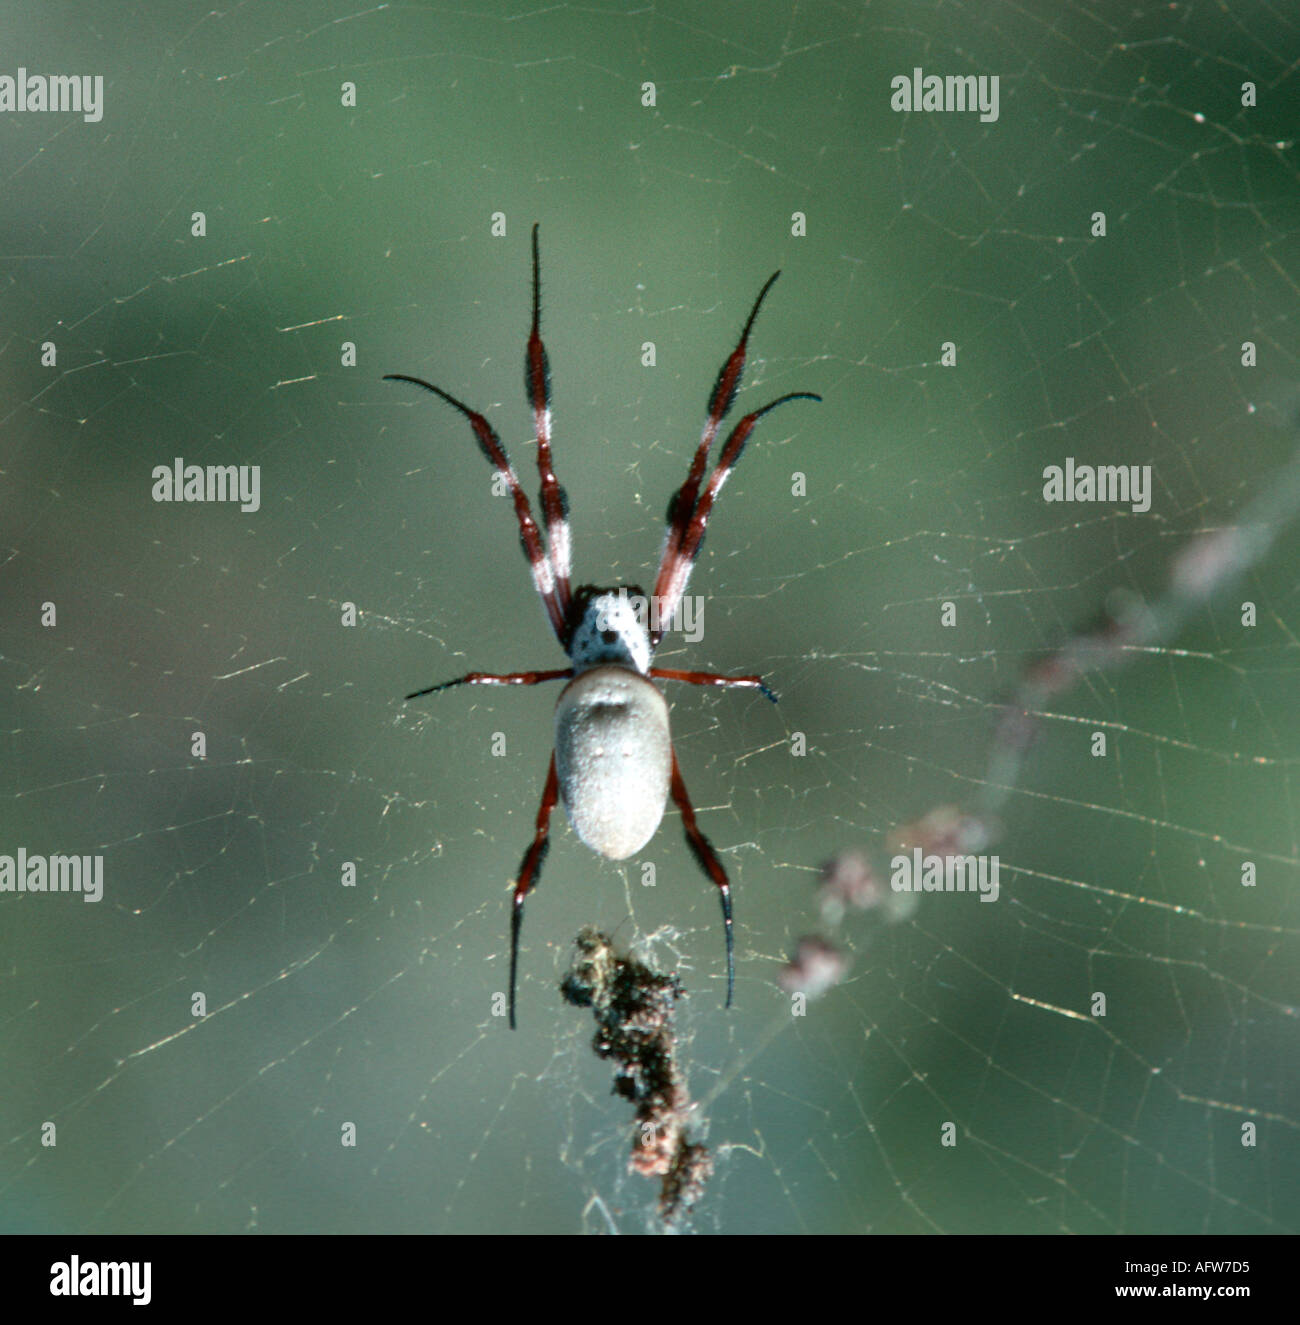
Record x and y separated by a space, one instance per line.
708 861
530 870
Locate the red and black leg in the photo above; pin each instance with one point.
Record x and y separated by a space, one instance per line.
530 870
723 395
555 503
675 570
714 679
708 861
490 445
495 679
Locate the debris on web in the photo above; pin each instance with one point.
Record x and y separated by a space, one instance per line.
858 880
633 1007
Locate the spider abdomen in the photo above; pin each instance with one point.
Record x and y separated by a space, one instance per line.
613 757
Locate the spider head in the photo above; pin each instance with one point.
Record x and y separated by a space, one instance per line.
609 626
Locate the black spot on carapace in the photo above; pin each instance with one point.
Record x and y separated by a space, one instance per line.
609 636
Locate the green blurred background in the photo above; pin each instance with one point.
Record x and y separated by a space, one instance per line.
371 225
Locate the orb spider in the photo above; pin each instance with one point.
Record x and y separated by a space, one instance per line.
613 763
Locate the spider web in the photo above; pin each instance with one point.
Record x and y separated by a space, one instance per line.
369 224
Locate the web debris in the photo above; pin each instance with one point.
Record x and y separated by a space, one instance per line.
856 880
633 1007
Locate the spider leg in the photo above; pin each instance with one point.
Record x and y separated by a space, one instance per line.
714 679
495 679
708 861
530 870
682 506
676 569
555 501
490 445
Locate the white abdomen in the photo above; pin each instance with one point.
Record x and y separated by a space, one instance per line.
613 757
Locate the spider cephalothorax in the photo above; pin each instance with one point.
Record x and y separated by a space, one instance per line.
609 626
613 762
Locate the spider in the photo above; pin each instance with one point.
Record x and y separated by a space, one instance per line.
613 763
